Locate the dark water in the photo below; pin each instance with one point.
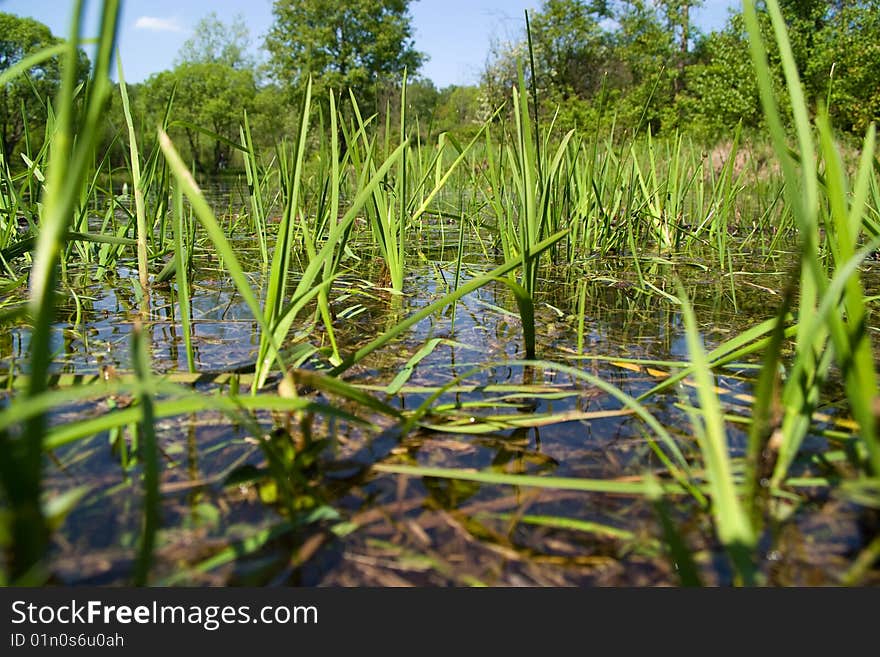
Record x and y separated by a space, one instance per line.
395 530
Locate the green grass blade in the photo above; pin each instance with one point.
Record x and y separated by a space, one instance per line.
636 488
180 271
149 454
731 521
67 169
217 235
136 183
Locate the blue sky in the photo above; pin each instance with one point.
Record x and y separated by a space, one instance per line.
454 33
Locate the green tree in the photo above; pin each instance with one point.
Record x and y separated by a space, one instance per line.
572 50
210 96
572 55
805 20
594 58
722 89
646 52
421 103
359 44
500 73
678 15
23 101
270 117
839 36
214 82
845 58
214 41
458 111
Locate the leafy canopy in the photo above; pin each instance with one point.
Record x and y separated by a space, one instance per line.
357 44
23 100
214 41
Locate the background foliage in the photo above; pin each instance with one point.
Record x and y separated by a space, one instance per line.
629 65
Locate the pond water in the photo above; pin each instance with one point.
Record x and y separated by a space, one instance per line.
389 529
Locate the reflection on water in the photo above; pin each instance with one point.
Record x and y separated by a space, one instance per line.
426 531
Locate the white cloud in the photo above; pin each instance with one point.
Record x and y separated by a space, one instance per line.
157 24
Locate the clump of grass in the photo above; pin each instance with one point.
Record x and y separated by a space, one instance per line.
823 302
535 179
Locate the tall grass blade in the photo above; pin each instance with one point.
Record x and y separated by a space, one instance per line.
181 269
731 520
801 192
71 149
216 234
149 456
136 183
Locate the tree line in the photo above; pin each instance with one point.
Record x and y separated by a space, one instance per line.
612 65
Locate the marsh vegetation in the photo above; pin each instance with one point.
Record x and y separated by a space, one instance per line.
380 355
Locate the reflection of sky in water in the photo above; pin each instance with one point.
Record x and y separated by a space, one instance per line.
621 319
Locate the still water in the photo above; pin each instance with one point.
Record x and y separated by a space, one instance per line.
372 528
